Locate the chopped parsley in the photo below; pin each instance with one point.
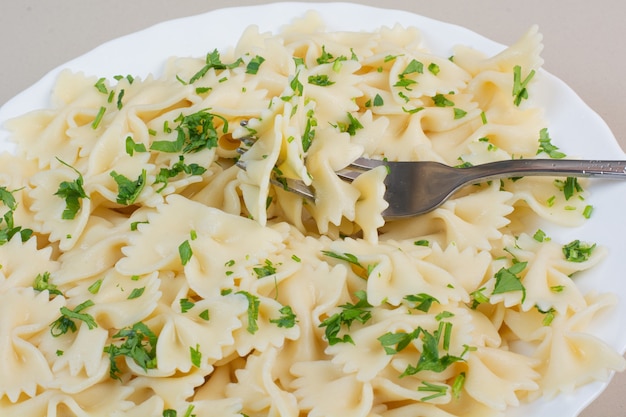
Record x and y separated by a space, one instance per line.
136 293
98 119
186 305
138 343
132 146
128 190
430 359
321 80
577 251
569 187
253 311
520 91
254 64
351 126
213 60
507 279
196 356
358 268
360 311
393 343
66 322
287 318
267 269
71 192
165 174
309 132
437 390
545 145
185 253
433 68
194 133
422 301
42 283
459 113
439 100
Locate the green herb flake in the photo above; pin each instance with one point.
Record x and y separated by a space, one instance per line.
185 253
72 192
128 190
507 280
180 167
457 385
422 242
540 236
433 68
95 287
378 101
430 359
138 343
101 86
519 86
439 100
545 145
98 119
360 311
253 311
422 301
321 80
204 315
587 211
213 60
132 146
254 64
459 113
267 269
66 322
393 343
136 293
287 318
437 390
196 356
42 283
194 133
577 251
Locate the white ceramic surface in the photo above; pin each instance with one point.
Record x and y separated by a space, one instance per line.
587 135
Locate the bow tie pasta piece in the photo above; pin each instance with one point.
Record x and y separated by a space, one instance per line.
24 314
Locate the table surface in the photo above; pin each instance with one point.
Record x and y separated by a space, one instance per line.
580 47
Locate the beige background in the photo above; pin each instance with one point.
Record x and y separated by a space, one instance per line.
584 46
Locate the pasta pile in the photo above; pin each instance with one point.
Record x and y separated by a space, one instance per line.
143 273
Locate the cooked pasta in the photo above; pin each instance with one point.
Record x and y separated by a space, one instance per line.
143 273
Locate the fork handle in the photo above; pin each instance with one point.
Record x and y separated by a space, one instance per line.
556 167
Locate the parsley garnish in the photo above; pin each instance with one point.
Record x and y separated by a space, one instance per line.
213 60
72 192
507 280
254 64
309 131
519 86
66 321
128 190
267 269
136 293
101 86
99 116
42 283
139 344
132 146
253 311
287 318
577 251
422 301
196 356
545 145
9 229
439 100
351 126
438 390
195 132
350 312
360 269
393 343
429 359
165 174
321 80
186 305
185 252
433 68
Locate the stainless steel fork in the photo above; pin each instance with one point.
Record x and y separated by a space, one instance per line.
414 188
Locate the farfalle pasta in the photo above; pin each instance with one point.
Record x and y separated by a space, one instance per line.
143 272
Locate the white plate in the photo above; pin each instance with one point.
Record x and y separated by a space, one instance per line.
587 135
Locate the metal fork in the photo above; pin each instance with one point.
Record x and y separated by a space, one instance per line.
414 188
